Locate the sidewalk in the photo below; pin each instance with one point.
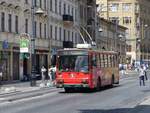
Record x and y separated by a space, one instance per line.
19 87
128 73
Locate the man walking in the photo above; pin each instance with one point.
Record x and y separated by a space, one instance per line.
43 70
141 75
145 68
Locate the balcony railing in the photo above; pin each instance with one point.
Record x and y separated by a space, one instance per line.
68 20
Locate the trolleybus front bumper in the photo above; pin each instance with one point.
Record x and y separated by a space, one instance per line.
73 85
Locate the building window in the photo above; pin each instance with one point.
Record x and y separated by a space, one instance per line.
16 24
114 7
56 33
35 3
69 38
72 37
45 30
26 1
72 11
126 20
3 21
51 5
68 9
129 48
64 35
40 1
51 31
114 20
26 25
60 7
35 33
40 29
45 2
9 22
64 8
60 37
75 14
126 6
56 6
76 38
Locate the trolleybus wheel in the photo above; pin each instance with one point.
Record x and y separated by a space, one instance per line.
112 81
67 90
98 84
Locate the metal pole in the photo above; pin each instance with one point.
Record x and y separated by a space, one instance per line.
33 77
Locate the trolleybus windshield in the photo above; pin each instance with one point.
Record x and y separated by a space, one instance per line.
75 63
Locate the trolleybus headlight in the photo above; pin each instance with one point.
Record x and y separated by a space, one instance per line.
60 81
85 81
60 76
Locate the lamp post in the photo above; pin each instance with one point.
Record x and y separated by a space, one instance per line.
120 49
100 30
33 55
99 10
144 40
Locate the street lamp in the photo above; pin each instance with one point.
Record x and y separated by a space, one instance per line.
120 36
33 55
100 30
99 10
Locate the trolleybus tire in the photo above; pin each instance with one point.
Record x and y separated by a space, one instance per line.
112 81
98 86
67 90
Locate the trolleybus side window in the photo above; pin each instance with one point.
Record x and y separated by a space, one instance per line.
115 60
109 60
94 60
105 60
112 61
102 60
98 60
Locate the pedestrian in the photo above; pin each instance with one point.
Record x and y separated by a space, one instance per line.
144 67
1 74
141 75
50 74
43 72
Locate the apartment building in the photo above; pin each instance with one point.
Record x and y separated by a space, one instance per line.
107 38
59 25
133 14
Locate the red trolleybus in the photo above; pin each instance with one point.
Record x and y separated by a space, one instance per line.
86 68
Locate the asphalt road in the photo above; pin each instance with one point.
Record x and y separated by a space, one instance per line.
121 99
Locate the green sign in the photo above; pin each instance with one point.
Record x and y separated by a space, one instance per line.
24 43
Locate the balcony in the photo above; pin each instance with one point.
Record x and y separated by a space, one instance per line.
67 20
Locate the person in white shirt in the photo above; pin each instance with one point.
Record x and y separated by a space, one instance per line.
43 70
51 72
141 75
144 67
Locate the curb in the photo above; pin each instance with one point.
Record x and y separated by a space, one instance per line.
145 101
25 95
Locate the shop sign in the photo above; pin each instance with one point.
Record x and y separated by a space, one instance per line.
24 43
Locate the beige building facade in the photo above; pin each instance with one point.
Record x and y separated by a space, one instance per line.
109 38
59 25
133 14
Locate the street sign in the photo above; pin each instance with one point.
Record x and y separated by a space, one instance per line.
5 44
24 43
